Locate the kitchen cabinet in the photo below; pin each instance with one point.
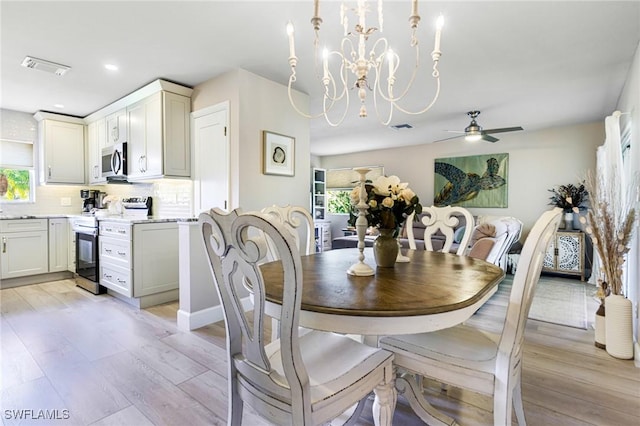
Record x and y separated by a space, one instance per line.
58 244
159 143
71 238
117 127
565 254
96 140
139 260
24 247
61 146
155 258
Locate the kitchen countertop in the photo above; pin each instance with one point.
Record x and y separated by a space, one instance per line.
112 218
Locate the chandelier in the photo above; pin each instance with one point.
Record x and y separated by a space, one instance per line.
368 65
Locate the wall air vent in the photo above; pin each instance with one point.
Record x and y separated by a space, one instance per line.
401 126
46 66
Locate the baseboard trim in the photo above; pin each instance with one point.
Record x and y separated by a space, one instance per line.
35 279
188 321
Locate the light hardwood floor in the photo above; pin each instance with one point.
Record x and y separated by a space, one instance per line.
108 363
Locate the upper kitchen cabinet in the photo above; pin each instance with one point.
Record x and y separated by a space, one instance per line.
158 143
117 127
61 147
154 122
96 141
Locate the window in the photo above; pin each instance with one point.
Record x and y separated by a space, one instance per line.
16 172
339 201
340 182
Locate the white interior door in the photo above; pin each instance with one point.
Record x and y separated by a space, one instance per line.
211 157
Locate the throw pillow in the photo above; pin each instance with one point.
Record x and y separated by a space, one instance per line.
457 236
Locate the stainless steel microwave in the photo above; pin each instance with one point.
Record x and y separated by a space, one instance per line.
114 160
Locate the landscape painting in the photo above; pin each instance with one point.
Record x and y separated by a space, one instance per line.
473 181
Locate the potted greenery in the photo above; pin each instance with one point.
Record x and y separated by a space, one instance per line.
571 199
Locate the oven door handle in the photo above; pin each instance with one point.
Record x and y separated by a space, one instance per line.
86 231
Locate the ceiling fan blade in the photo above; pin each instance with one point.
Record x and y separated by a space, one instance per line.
454 131
446 139
503 130
489 138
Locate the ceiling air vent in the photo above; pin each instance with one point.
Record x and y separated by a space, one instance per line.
46 66
401 126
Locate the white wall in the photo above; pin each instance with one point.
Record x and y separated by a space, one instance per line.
538 161
630 102
258 104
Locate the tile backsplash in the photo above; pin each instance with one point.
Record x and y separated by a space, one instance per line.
171 198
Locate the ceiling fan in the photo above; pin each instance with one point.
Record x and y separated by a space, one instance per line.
474 132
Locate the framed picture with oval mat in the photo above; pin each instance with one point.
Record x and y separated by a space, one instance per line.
278 154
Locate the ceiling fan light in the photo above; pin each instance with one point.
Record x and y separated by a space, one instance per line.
473 137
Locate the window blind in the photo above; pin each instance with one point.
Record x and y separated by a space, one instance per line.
346 178
16 153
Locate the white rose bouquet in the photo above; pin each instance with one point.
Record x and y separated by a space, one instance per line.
390 202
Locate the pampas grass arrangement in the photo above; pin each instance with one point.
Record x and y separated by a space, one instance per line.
610 224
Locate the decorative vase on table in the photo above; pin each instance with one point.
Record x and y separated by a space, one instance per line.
385 248
568 221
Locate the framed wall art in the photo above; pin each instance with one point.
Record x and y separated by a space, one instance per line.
278 154
474 181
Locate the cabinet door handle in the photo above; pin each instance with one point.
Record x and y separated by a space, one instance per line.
121 253
49 171
121 231
107 276
107 250
4 244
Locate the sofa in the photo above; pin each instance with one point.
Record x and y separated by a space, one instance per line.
492 238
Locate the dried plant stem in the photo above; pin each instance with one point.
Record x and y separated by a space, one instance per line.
611 222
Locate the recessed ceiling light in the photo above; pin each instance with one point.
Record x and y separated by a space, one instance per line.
58 106
111 67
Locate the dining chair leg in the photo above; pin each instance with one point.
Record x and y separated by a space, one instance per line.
517 404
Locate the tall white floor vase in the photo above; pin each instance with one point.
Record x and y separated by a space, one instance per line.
619 326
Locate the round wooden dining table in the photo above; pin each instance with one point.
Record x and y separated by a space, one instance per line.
432 291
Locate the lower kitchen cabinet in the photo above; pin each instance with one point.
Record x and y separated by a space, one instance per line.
58 244
71 252
24 247
139 260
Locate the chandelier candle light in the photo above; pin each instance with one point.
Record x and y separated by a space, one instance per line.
361 63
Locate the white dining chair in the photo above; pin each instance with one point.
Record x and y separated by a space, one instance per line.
445 220
298 222
473 359
305 378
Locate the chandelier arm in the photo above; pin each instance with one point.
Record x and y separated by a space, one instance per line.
330 78
409 84
375 101
428 107
291 80
343 77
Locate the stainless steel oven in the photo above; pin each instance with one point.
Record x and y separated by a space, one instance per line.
87 254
